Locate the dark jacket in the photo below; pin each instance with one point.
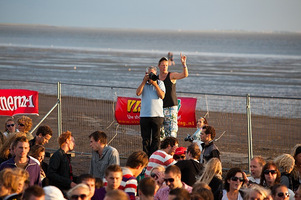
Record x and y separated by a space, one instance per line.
209 151
32 167
216 185
190 170
59 170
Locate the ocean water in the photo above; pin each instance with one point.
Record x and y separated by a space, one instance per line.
229 63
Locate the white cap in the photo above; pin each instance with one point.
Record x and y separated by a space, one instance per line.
53 193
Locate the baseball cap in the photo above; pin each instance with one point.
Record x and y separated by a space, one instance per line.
180 151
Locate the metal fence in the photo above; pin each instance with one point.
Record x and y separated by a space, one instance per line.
276 122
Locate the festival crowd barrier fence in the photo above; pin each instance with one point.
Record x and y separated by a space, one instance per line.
276 121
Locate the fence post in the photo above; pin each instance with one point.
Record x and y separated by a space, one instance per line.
250 145
59 109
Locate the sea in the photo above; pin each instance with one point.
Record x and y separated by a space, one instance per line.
220 63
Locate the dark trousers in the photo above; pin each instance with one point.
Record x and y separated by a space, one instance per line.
150 133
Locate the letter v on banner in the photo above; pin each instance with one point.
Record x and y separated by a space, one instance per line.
18 102
127 111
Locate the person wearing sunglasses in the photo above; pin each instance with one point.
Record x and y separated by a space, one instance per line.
80 191
172 178
270 175
10 127
157 173
180 154
234 180
24 125
191 167
280 192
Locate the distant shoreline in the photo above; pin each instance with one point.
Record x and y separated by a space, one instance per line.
148 30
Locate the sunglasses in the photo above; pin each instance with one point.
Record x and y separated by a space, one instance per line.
10 125
234 178
153 175
21 124
281 194
81 196
171 180
269 171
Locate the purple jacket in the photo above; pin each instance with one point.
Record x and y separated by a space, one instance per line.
33 168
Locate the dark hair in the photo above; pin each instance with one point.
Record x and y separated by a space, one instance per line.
34 190
44 130
83 177
113 168
162 59
136 159
180 193
19 139
275 187
173 169
203 193
194 150
230 174
147 186
35 150
99 136
172 141
64 137
267 166
210 130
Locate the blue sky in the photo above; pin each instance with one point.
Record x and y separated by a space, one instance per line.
199 15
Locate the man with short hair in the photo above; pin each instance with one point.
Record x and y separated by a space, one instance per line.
164 156
152 92
147 188
210 150
135 163
43 135
89 180
113 176
23 161
256 166
34 193
172 179
103 155
191 168
60 170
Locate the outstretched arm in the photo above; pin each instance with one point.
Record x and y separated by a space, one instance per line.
184 74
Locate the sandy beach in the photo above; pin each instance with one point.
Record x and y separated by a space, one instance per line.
271 136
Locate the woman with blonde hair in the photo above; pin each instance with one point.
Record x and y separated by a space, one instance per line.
256 192
285 164
212 175
157 173
296 173
24 125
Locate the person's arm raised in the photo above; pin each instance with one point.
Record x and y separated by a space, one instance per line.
184 74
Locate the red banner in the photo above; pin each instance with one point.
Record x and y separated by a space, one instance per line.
18 102
128 111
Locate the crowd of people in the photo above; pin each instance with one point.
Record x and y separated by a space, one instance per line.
161 170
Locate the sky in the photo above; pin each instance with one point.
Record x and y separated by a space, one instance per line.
190 15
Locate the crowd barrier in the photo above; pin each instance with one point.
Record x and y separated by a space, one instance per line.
276 121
